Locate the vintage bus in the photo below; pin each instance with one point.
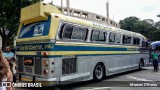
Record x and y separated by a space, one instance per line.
52 48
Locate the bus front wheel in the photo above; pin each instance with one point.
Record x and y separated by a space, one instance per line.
98 73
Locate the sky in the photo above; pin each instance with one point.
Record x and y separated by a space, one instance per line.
118 9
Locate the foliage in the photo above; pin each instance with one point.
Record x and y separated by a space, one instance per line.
145 27
9 18
128 23
157 25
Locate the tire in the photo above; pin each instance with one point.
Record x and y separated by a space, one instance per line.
98 73
140 65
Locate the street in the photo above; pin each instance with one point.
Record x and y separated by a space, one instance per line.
120 81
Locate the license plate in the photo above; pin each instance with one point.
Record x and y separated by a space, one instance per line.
29 69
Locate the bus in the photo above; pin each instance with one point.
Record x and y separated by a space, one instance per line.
53 48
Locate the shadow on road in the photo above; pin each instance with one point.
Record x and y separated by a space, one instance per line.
92 83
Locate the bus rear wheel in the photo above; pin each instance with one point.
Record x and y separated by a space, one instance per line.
98 73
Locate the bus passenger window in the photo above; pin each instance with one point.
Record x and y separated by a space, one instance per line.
145 45
126 39
136 41
67 32
117 38
102 37
95 34
112 38
79 33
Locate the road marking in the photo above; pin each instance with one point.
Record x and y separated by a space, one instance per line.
137 78
100 88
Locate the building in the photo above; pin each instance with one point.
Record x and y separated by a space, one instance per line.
86 15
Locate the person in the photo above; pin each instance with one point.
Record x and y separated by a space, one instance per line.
5 72
154 56
11 59
8 54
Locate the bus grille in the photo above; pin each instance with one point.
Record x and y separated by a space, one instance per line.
38 66
20 64
69 65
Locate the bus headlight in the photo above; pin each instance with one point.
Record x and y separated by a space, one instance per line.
45 63
45 71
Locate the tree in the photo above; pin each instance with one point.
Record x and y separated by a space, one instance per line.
149 21
128 23
9 18
157 25
145 27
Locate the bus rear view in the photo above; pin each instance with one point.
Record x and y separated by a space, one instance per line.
33 43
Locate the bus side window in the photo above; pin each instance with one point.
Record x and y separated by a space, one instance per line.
145 45
112 38
67 31
136 41
61 31
95 34
79 33
102 36
117 38
126 39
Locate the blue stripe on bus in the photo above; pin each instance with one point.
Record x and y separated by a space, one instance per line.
53 47
87 48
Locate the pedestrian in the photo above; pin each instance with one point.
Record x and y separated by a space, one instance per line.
154 56
5 72
11 59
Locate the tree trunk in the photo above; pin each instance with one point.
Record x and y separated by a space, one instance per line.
4 43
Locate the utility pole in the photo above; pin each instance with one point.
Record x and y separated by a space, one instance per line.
68 8
62 10
107 12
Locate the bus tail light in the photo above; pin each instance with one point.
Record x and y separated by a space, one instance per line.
45 63
45 71
45 54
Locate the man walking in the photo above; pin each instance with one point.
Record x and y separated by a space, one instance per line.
154 56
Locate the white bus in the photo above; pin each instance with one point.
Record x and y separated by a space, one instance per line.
53 48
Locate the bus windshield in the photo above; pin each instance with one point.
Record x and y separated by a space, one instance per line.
35 29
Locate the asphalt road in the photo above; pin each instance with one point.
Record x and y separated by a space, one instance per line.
145 79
